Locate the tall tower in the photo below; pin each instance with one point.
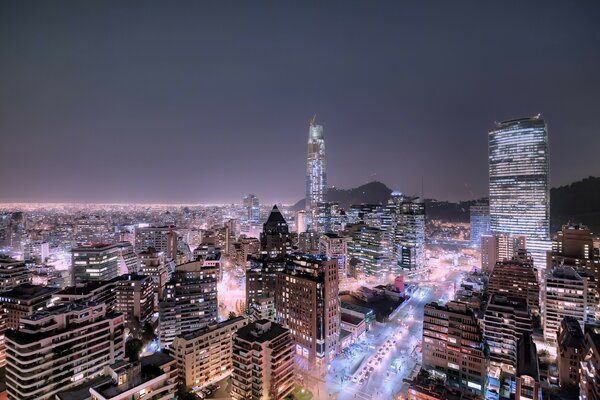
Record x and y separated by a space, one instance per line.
519 187
316 181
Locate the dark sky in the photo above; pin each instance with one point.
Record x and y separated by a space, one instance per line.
206 101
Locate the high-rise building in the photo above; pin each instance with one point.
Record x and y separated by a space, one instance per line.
94 262
517 278
252 208
204 356
307 302
335 247
527 375
519 184
504 322
152 264
190 301
261 276
565 295
12 273
480 222
263 362
368 246
496 248
589 368
316 179
134 295
162 238
19 302
409 240
60 347
570 347
275 239
453 346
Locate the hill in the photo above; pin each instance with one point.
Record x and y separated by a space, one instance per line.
577 202
372 193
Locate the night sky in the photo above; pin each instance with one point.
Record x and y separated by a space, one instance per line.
190 102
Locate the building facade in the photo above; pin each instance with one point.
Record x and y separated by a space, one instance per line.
263 362
316 178
519 183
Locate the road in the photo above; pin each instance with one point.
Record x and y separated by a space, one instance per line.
399 362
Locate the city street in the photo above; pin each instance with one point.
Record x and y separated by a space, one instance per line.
385 378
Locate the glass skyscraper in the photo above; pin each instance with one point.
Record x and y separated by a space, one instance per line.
316 181
519 188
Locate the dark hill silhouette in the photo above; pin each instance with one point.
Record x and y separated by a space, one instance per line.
578 202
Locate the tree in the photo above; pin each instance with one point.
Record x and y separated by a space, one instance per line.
133 348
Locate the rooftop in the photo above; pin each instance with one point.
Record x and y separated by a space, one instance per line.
27 292
261 331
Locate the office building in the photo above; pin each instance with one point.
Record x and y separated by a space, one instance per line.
517 278
61 347
204 355
570 348
335 247
480 222
589 368
527 375
152 377
190 301
316 179
162 238
252 208
409 240
519 183
307 302
505 320
564 296
36 250
275 239
368 246
94 262
453 347
12 273
263 362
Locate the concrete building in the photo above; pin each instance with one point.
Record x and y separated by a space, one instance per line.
368 246
94 262
570 348
527 376
263 362
565 295
152 377
190 301
60 347
589 368
453 347
204 356
152 264
261 276
409 240
335 247
12 273
252 208
162 238
19 302
134 297
506 319
307 302
517 278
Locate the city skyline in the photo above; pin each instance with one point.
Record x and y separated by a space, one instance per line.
180 105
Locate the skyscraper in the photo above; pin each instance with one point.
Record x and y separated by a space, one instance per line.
275 239
480 222
252 207
316 180
519 191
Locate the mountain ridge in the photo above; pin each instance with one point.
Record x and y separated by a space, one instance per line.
577 202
